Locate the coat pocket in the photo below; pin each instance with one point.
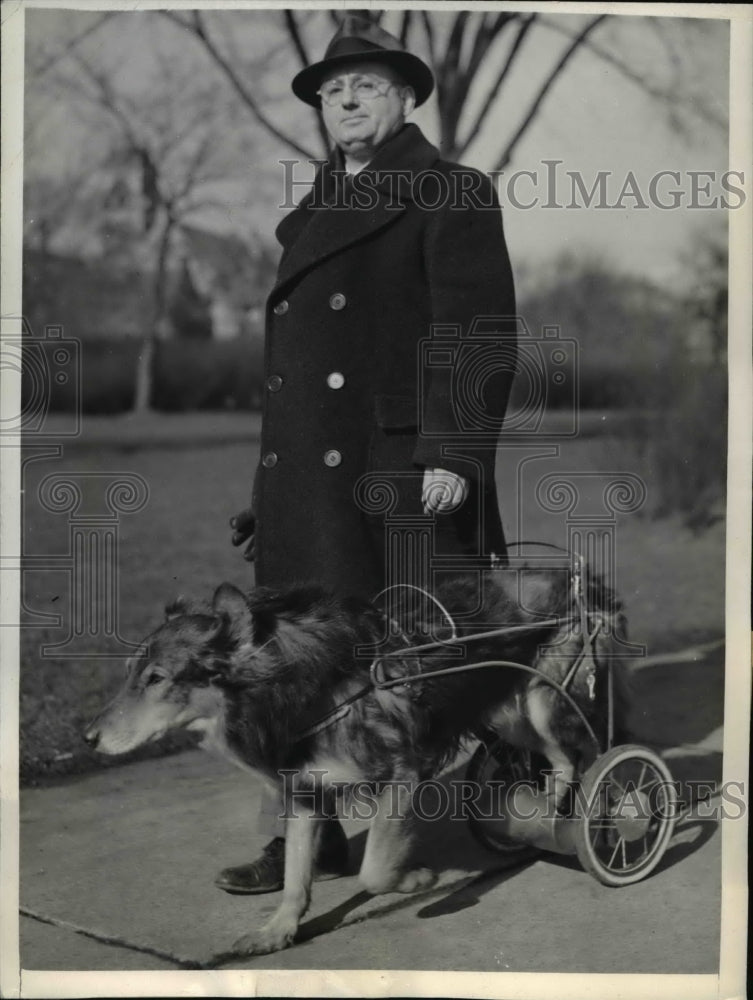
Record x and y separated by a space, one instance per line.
393 437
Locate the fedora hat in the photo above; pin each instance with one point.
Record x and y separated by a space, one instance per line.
359 40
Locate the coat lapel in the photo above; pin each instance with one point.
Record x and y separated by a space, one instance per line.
314 231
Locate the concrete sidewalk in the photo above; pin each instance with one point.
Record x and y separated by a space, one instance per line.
129 856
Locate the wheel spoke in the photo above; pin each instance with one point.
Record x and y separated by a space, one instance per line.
615 782
614 852
624 834
642 774
652 780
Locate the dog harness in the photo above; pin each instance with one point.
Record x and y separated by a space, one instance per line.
590 624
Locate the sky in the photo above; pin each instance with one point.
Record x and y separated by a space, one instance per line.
593 120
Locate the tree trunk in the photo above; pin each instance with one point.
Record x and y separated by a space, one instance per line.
144 375
145 368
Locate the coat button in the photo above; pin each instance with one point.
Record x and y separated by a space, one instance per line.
337 301
270 460
335 380
281 308
332 458
274 383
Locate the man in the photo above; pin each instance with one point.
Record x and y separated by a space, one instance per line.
391 245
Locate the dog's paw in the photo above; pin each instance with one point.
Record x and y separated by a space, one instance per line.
416 879
275 935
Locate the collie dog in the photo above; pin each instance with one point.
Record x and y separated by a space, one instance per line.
327 689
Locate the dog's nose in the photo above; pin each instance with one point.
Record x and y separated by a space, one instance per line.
91 736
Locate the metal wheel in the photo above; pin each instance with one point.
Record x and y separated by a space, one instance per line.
628 807
500 764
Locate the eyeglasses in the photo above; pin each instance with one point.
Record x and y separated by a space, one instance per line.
362 88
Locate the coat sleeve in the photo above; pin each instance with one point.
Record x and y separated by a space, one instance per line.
466 376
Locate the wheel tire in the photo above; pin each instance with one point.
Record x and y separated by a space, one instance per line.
621 835
501 762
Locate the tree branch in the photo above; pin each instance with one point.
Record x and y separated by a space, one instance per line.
487 32
452 83
199 30
171 142
107 100
523 30
429 29
194 165
37 71
455 41
666 94
576 43
405 27
191 205
295 36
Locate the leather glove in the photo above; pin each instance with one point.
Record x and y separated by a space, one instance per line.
244 530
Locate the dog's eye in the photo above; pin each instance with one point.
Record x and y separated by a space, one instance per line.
154 678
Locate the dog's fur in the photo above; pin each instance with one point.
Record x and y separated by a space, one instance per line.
254 672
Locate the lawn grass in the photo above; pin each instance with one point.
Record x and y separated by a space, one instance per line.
672 580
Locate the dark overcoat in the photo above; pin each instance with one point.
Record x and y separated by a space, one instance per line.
390 340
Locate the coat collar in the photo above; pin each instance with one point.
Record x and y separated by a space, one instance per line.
315 230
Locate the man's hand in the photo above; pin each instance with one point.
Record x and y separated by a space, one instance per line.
244 527
442 491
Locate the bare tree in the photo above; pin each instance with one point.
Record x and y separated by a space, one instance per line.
51 57
468 51
170 145
197 23
222 85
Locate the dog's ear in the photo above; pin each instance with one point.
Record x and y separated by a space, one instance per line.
230 601
208 626
231 605
177 607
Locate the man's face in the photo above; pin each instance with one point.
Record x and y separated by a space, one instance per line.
368 104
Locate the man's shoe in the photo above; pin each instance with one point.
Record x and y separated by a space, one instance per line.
267 873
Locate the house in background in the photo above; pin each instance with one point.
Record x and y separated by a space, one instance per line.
225 277
86 268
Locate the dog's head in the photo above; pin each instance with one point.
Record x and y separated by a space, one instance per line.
175 680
